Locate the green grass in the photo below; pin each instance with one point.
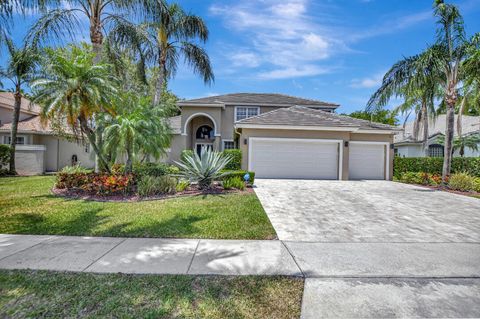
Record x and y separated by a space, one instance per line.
27 206
29 294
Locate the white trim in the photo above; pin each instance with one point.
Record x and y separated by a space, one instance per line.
202 104
31 147
389 131
298 127
200 114
247 107
387 156
202 143
326 141
226 140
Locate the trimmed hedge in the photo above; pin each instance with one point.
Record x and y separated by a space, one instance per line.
239 173
4 155
433 165
236 162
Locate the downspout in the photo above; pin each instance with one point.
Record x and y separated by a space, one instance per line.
58 152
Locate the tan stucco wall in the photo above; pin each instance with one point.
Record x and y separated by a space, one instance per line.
307 134
29 161
6 115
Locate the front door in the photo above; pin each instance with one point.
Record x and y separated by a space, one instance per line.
200 146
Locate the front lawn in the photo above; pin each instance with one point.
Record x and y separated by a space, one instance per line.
30 294
27 206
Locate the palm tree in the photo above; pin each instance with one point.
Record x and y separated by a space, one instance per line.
64 21
138 130
460 143
449 53
20 69
413 78
75 89
164 39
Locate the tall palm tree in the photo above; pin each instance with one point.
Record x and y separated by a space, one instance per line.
74 89
138 129
20 68
460 143
64 20
449 52
164 39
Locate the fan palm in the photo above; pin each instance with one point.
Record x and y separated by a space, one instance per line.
139 129
74 89
460 143
64 21
164 39
20 68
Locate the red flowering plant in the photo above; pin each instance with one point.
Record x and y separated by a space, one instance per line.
103 184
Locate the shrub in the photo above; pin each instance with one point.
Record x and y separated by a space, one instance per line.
182 185
203 169
433 165
104 184
75 169
236 159
173 170
233 182
151 169
4 171
411 178
155 185
461 182
73 180
240 174
4 155
476 184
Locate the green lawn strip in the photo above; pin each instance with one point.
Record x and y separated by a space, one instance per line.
34 294
27 206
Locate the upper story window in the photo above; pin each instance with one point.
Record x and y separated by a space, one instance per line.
228 145
244 112
8 139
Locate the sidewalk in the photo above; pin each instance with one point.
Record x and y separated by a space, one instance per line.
342 279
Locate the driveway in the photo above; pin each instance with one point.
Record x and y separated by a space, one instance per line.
367 211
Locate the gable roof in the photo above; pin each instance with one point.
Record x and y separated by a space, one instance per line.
270 99
29 125
7 100
436 126
299 116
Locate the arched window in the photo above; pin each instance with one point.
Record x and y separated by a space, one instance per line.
435 150
204 132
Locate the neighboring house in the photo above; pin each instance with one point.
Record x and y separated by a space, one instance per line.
407 146
285 137
39 149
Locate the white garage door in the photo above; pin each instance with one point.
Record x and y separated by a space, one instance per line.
366 161
293 158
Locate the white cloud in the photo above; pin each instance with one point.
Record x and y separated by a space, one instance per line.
368 82
245 59
292 72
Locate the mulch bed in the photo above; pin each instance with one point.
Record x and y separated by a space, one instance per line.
190 191
446 189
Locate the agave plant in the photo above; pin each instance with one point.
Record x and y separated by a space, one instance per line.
203 169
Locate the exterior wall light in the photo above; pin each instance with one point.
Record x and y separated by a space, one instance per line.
245 141
345 143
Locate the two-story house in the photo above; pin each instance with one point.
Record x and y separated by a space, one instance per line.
283 136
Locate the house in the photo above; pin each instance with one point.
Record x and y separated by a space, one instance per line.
283 136
407 146
39 148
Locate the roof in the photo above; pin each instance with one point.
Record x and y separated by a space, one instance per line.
29 125
7 100
437 125
304 116
258 99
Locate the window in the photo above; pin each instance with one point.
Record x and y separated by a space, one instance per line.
242 112
228 145
435 150
8 139
204 132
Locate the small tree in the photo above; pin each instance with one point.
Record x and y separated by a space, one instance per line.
74 90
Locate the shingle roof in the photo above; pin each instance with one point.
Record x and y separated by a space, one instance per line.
30 125
304 116
7 100
259 98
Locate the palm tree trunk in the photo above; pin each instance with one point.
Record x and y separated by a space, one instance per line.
162 73
13 132
416 125
128 164
103 164
447 160
96 37
425 126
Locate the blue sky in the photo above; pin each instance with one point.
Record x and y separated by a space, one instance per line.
335 51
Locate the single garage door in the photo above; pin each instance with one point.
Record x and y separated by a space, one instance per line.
293 158
366 161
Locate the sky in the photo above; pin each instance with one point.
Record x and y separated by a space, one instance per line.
331 50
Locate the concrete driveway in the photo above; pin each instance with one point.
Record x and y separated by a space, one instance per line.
367 211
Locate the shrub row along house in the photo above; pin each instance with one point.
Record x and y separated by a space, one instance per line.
39 148
285 137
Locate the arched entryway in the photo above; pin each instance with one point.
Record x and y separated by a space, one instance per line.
201 132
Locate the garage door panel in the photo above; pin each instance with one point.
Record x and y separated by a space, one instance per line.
287 158
366 161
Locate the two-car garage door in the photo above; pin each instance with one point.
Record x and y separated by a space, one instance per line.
314 159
